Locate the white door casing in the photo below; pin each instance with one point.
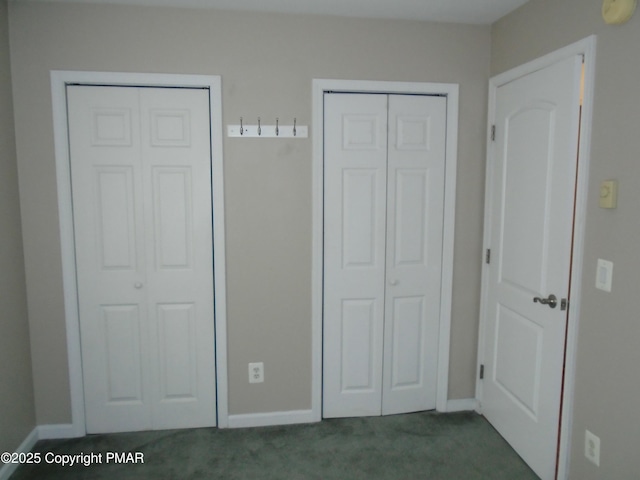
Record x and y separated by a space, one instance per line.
141 170
60 81
384 194
530 226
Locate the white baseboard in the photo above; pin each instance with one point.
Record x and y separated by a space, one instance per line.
306 416
54 432
462 405
271 418
8 468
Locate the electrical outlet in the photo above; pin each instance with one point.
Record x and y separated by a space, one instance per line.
604 275
256 372
592 447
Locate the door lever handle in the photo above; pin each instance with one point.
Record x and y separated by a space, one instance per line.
552 300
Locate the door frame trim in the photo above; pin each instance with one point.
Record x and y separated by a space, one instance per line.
587 48
59 81
451 92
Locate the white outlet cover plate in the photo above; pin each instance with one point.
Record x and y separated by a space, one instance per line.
592 447
256 372
604 275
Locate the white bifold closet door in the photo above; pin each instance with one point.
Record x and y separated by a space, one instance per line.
383 219
141 183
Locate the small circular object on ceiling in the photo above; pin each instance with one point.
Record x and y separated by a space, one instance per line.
616 12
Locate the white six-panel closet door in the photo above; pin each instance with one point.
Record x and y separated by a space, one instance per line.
141 182
415 212
384 190
355 180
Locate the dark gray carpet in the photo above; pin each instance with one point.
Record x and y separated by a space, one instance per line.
459 446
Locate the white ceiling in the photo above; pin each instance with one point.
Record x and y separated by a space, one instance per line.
456 11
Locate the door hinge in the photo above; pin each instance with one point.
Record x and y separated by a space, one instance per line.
481 372
487 256
493 133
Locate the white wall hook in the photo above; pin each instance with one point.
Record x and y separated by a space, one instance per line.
268 131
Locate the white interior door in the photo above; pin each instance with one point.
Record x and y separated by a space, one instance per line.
354 253
384 190
533 177
141 185
415 212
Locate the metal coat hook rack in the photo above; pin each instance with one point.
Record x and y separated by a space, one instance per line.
259 130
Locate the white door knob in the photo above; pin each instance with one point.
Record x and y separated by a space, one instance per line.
394 281
138 285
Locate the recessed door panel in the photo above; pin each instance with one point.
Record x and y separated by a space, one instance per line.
111 127
173 217
170 128
406 359
361 132
115 217
518 359
358 345
412 217
414 132
529 136
359 201
177 346
123 353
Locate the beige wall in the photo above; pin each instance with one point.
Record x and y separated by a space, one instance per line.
608 378
17 412
267 63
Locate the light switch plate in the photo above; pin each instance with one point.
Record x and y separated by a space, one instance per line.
604 275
